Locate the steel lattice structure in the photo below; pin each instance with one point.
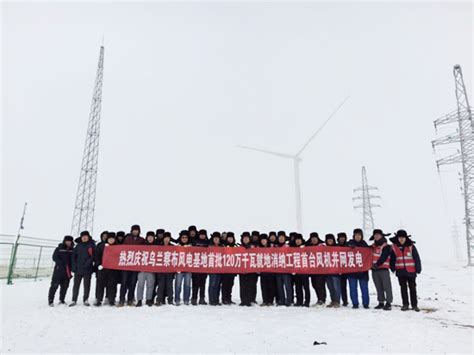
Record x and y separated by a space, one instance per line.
463 136
83 218
366 199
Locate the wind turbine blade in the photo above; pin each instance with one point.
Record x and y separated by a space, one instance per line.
322 126
281 155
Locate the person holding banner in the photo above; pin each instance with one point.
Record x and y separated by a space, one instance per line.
105 278
245 280
301 280
317 281
267 285
129 278
380 269
283 281
183 279
342 242
199 278
405 261
146 278
215 279
333 280
165 279
361 278
254 276
228 279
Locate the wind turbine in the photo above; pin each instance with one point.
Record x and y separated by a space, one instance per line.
296 164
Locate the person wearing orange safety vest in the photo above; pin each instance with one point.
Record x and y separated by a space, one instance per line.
405 262
380 269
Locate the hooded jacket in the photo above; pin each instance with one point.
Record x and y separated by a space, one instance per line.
83 257
62 257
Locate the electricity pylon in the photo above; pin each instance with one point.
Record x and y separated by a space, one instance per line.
83 217
463 136
366 197
296 158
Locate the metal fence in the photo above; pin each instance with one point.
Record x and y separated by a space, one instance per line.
32 259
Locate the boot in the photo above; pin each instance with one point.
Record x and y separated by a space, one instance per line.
120 304
202 301
130 303
355 306
111 303
149 303
387 307
404 307
157 303
62 303
97 304
330 305
366 306
416 309
86 303
51 303
139 303
194 302
72 304
379 306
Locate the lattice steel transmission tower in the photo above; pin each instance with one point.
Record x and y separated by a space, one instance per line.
366 199
462 118
83 218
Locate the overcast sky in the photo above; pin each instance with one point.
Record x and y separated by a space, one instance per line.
184 84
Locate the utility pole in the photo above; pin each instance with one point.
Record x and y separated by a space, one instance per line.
366 198
464 136
83 217
296 158
11 267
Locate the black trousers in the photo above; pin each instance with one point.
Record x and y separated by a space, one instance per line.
344 289
77 284
319 284
302 284
129 282
63 284
406 283
106 280
198 286
245 281
164 287
227 285
268 287
253 287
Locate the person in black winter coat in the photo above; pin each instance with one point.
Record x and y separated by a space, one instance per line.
62 273
165 280
318 281
380 269
406 263
267 280
245 280
215 280
361 278
199 278
228 279
342 242
301 280
82 266
106 279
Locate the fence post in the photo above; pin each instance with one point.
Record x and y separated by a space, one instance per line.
11 267
37 266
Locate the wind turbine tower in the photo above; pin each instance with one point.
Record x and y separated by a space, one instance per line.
296 159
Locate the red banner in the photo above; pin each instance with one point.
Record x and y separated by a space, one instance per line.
238 260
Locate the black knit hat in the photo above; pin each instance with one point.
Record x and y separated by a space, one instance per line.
342 235
103 233
83 233
166 235
120 234
272 233
299 236
68 238
281 233
135 227
159 231
150 233
263 236
358 231
245 234
184 232
378 231
255 233
215 235
313 235
230 234
330 236
192 228
111 235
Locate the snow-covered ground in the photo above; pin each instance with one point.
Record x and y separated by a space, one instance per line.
444 325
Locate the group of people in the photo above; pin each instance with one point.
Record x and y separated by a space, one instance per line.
82 257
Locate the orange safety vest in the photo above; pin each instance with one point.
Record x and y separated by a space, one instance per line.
377 253
404 260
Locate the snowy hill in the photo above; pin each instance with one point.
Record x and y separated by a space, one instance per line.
444 324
